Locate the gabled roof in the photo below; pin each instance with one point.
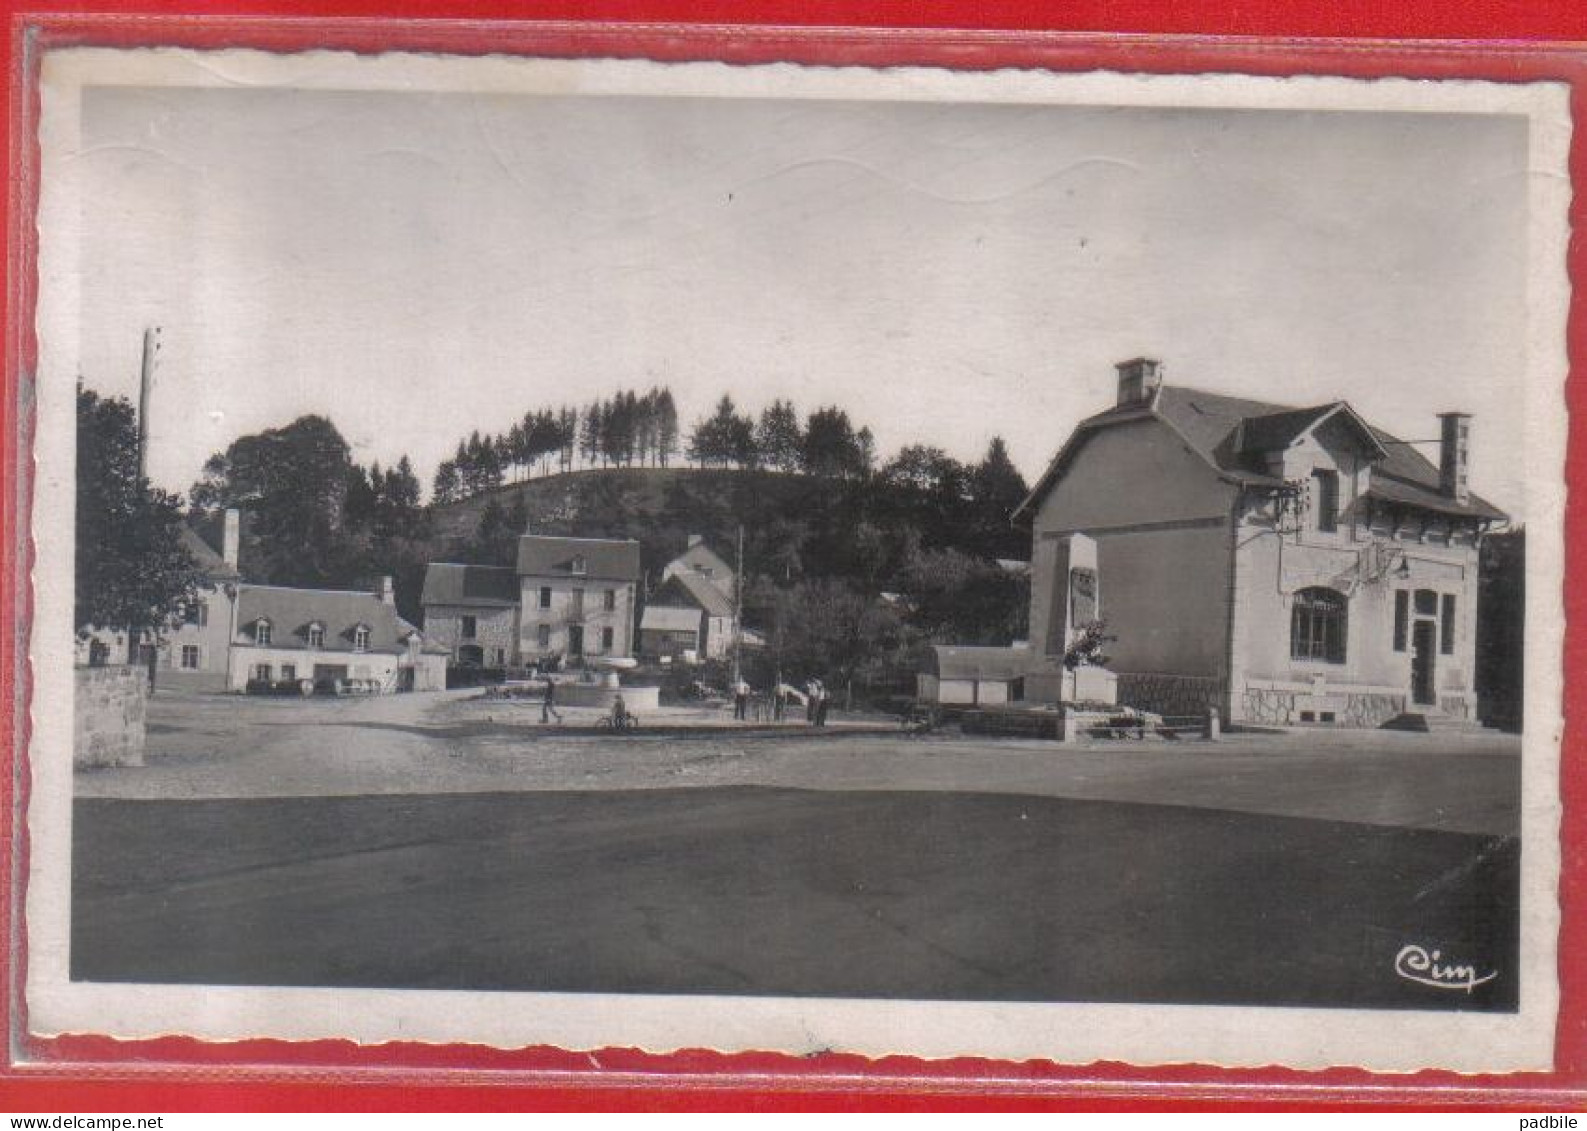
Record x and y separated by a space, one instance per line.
670 618
1232 433
604 559
1259 435
702 558
448 583
339 611
694 589
204 556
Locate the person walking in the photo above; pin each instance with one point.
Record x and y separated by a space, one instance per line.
779 702
741 700
548 705
812 693
821 704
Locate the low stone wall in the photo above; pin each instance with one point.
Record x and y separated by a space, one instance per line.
1273 707
109 707
1170 695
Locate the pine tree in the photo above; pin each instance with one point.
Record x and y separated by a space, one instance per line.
666 427
779 437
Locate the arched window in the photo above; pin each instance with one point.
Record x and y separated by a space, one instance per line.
361 638
316 635
1317 626
261 632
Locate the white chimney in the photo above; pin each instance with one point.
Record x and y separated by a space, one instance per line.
1138 380
385 590
1454 454
231 537
695 540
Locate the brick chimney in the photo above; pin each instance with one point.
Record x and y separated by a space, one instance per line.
231 537
385 591
1454 454
1138 380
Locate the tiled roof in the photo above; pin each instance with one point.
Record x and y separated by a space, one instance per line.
604 559
701 558
339 611
1231 432
448 583
670 618
1278 430
693 588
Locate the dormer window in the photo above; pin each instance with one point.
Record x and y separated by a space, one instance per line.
316 635
361 638
261 632
580 567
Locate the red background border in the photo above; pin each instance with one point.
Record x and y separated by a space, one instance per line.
94 1074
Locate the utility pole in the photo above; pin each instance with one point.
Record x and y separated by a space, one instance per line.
738 607
151 346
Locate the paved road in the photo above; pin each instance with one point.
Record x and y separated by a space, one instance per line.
934 894
227 747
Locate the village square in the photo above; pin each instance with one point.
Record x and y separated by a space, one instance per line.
1244 650
810 545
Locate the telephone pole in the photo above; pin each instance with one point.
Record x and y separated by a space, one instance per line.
738 607
151 346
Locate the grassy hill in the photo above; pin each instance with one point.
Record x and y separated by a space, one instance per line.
793 524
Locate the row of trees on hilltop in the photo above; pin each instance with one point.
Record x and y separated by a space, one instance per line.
826 443
641 429
631 428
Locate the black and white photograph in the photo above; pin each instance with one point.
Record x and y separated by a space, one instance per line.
613 553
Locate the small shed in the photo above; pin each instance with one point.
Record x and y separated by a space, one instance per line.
962 675
667 630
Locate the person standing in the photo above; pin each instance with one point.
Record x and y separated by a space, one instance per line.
812 692
779 702
741 700
821 704
548 705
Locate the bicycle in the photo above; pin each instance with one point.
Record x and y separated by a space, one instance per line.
920 718
626 721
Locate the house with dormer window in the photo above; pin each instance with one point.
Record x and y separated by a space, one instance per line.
286 634
1289 565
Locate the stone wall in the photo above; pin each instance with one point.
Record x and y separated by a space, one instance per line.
1274 707
1170 695
108 710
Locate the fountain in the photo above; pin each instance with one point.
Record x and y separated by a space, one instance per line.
600 684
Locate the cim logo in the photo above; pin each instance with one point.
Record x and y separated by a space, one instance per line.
1430 968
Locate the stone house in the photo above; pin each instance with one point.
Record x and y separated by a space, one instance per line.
472 612
692 609
569 597
1282 564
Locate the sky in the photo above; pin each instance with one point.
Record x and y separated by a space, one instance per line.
418 265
